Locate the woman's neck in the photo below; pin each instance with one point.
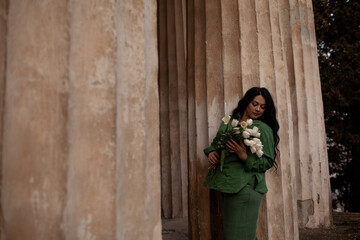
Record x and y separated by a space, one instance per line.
244 117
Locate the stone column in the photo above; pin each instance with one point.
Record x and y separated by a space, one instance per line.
81 120
230 44
180 14
173 112
3 34
90 210
166 194
313 199
35 116
137 122
80 136
239 45
199 214
273 75
173 108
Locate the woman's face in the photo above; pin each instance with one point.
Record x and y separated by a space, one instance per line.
256 108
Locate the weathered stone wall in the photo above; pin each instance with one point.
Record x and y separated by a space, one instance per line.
81 138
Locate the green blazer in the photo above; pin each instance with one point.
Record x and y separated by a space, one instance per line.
236 173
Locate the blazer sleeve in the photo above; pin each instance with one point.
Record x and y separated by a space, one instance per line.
266 161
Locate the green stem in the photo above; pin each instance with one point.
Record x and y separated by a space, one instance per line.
222 159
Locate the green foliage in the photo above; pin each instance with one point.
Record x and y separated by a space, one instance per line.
337 25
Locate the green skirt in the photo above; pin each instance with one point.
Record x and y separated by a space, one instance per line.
241 211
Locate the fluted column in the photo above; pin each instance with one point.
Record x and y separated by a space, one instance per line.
173 108
199 214
313 199
180 16
137 122
90 209
3 34
35 117
270 74
173 112
214 92
81 118
271 44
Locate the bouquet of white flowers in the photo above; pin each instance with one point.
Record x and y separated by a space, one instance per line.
239 133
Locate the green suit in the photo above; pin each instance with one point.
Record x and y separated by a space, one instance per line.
236 174
242 184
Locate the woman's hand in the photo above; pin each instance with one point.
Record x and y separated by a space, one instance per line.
213 158
237 148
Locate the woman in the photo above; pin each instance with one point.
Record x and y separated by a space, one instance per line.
242 179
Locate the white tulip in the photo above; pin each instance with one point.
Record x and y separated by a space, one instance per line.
252 143
253 149
236 130
259 146
255 129
250 131
234 122
243 124
257 134
246 134
226 119
247 142
249 122
259 153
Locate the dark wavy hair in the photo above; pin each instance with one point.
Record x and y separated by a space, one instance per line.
268 117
